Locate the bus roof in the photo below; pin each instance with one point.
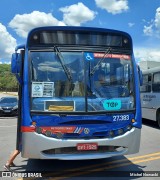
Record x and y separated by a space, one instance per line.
151 70
78 28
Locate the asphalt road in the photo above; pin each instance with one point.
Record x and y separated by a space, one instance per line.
148 158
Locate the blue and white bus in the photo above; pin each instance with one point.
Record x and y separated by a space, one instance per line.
79 94
150 95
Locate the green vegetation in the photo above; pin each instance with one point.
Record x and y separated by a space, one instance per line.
8 81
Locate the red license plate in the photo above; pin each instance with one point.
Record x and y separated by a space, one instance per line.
87 146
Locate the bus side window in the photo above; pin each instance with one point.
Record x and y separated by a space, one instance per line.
146 87
149 78
156 82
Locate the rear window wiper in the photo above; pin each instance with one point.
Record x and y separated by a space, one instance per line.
100 61
61 60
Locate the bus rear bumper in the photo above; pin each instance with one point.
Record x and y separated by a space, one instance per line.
38 146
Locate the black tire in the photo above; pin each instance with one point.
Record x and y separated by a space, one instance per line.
158 119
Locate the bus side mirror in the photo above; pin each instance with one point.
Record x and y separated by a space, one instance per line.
15 63
140 76
16 66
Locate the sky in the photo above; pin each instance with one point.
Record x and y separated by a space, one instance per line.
139 18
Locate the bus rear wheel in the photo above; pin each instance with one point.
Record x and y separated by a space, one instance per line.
158 119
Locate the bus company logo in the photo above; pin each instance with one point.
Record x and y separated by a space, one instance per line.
112 104
86 131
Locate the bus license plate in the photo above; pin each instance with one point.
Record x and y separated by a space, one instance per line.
87 146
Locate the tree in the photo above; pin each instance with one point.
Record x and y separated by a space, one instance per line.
8 81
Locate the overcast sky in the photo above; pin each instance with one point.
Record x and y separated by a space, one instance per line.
140 18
